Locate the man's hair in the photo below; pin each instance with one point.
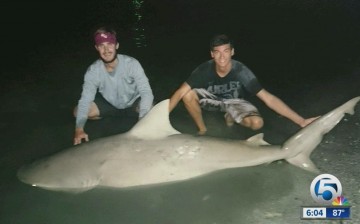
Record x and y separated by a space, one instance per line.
220 39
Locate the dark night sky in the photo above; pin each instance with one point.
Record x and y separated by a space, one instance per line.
42 28
25 20
58 16
328 26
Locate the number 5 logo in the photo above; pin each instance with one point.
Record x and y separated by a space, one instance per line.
325 188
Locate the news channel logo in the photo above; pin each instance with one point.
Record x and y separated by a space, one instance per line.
326 189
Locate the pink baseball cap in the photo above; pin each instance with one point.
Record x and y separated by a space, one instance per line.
105 37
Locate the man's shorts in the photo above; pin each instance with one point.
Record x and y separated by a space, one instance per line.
108 110
238 109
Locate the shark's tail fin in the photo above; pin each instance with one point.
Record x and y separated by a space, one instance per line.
306 140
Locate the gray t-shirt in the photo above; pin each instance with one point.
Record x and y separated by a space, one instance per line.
239 81
120 88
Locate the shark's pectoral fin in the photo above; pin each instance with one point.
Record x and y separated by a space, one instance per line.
304 162
257 139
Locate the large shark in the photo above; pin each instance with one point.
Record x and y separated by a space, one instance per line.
153 152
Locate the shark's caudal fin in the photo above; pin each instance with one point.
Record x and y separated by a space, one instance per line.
156 124
306 140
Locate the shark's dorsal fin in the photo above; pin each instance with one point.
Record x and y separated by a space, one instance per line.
257 139
156 123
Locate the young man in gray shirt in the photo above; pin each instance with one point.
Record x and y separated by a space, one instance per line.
220 84
118 79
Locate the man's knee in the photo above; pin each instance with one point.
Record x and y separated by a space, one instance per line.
94 112
190 98
253 122
257 123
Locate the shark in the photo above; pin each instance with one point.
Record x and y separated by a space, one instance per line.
153 152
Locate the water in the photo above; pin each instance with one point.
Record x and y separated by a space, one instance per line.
305 52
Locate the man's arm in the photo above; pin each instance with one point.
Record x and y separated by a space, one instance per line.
143 85
84 104
281 108
178 95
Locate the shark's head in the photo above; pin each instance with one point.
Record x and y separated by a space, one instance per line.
45 174
82 167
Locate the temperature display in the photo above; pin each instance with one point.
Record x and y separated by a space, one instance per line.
338 212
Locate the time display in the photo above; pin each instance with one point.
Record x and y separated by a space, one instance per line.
333 212
313 212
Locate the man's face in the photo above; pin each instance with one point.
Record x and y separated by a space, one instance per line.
222 54
107 51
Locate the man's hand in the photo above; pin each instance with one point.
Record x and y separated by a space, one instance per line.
308 121
79 135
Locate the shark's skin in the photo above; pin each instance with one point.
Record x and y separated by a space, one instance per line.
153 152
